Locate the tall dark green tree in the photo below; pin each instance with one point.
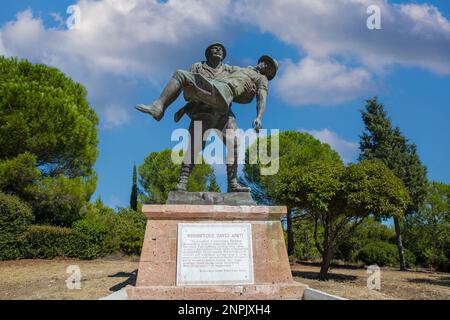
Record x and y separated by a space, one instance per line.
382 141
134 191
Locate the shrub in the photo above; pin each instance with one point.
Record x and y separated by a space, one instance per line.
113 231
433 257
15 217
379 253
48 242
10 251
369 231
102 231
382 254
100 226
58 200
131 230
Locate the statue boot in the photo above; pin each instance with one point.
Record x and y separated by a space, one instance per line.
184 176
233 185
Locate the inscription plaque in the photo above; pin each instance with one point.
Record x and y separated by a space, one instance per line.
214 254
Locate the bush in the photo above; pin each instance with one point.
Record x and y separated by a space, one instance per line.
58 200
369 231
433 257
10 251
112 231
99 225
102 231
131 230
15 217
48 242
379 253
382 254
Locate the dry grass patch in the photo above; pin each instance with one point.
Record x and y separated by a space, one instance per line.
45 279
351 282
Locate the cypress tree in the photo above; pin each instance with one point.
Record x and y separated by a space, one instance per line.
382 141
134 193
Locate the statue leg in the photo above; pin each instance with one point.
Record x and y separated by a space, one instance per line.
169 94
231 140
189 158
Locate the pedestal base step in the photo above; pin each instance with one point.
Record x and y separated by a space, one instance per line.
279 291
211 198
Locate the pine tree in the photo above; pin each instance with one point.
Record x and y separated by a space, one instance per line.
386 143
134 193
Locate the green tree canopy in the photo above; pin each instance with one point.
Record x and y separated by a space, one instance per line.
45 113
158 175
297 152
313 180
48 140
18 173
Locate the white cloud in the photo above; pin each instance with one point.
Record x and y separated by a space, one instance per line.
123 41
322 30
119 41
115 115
321 82
348 150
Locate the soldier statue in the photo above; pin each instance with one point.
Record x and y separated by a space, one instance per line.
210 87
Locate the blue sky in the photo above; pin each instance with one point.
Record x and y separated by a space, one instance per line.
329 64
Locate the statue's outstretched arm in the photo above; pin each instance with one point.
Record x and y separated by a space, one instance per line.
261 96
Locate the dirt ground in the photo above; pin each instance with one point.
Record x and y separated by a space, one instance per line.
45 279
351 283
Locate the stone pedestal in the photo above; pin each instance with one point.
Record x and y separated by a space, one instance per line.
157 275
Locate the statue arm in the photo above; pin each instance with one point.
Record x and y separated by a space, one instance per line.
261 96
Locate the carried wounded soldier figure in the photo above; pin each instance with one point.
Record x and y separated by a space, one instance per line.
209 101
239 85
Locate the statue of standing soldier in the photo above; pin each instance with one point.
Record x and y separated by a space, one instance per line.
210 87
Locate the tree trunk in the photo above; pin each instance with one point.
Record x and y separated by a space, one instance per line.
401 252
290 236
326 262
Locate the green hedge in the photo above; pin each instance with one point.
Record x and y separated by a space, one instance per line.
47 242
102 231
382 254
113 231
15 217
130 231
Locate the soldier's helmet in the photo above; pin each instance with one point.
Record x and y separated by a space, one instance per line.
216 44
273 63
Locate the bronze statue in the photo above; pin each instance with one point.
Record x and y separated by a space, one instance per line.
210 87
